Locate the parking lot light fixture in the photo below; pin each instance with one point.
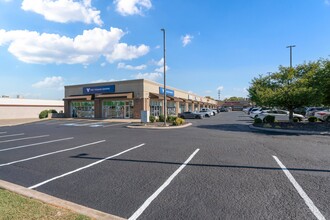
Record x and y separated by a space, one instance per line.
164 50
290 46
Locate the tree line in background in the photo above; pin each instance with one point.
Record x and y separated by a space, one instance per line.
307 84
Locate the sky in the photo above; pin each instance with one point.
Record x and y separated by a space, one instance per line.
211 45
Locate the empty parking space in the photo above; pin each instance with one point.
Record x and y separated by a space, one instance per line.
205 171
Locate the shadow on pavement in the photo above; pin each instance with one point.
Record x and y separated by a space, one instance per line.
245 128
84 156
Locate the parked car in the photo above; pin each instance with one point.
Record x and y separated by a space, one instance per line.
223 109
311 110
206 113
300 111
246 110
253 109
257 111
207 110
323 115
188 115
280 115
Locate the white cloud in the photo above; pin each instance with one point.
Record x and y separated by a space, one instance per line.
220 88
64 11
150 76
186 39
208 91
33 47
122 51
54 82
161 69
129 67
132 7
327 2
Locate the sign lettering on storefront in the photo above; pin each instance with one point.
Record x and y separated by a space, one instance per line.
169 92
99 89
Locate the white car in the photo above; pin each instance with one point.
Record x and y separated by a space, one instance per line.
323 115
254 113
280 115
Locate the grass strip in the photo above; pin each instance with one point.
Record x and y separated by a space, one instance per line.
14 206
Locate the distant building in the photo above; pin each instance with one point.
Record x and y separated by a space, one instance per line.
26 108
126 99
237 105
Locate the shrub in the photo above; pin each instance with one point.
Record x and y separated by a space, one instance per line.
171 119
312 119
257 121
152 118
295 119
178 121
44 113
161 118
269 119
267 126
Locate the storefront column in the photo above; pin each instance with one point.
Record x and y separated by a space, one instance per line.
177 108
97 108
199 107
138 106
67 111
186 107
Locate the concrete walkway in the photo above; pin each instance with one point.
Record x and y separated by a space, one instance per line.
12 122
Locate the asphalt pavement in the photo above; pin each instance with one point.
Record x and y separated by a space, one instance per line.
218 168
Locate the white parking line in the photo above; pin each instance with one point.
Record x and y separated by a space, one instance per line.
116 124
11 135
160 189
26 138
301 192
85 167
28 145
54 152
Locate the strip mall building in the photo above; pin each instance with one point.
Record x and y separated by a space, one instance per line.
126 99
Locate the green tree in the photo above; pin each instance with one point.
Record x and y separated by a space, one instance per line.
288 88
234 99
321 80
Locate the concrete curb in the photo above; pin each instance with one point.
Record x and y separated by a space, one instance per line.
160 128
289 131
22 123
92 213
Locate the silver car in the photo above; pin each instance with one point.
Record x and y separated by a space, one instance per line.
191 115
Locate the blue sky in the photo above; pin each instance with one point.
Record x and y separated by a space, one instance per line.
211 44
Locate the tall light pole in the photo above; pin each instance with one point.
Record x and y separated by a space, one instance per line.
291 54
165 104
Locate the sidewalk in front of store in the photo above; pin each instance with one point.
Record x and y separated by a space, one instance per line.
13 122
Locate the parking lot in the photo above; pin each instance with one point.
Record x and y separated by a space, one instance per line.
218 168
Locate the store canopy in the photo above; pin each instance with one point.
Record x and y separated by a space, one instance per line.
79 97
158 96
128 95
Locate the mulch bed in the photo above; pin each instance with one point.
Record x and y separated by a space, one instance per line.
303 126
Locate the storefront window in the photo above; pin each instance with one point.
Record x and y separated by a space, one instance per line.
82 109
182 107
156 108
117 109
171 108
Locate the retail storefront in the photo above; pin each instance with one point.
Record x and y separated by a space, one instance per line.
126 99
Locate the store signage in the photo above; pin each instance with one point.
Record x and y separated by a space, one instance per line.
169 92
99 89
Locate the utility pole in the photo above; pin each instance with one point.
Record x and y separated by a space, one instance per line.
290 46
165 104
219 92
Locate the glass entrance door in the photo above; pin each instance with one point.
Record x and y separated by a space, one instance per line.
127 113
